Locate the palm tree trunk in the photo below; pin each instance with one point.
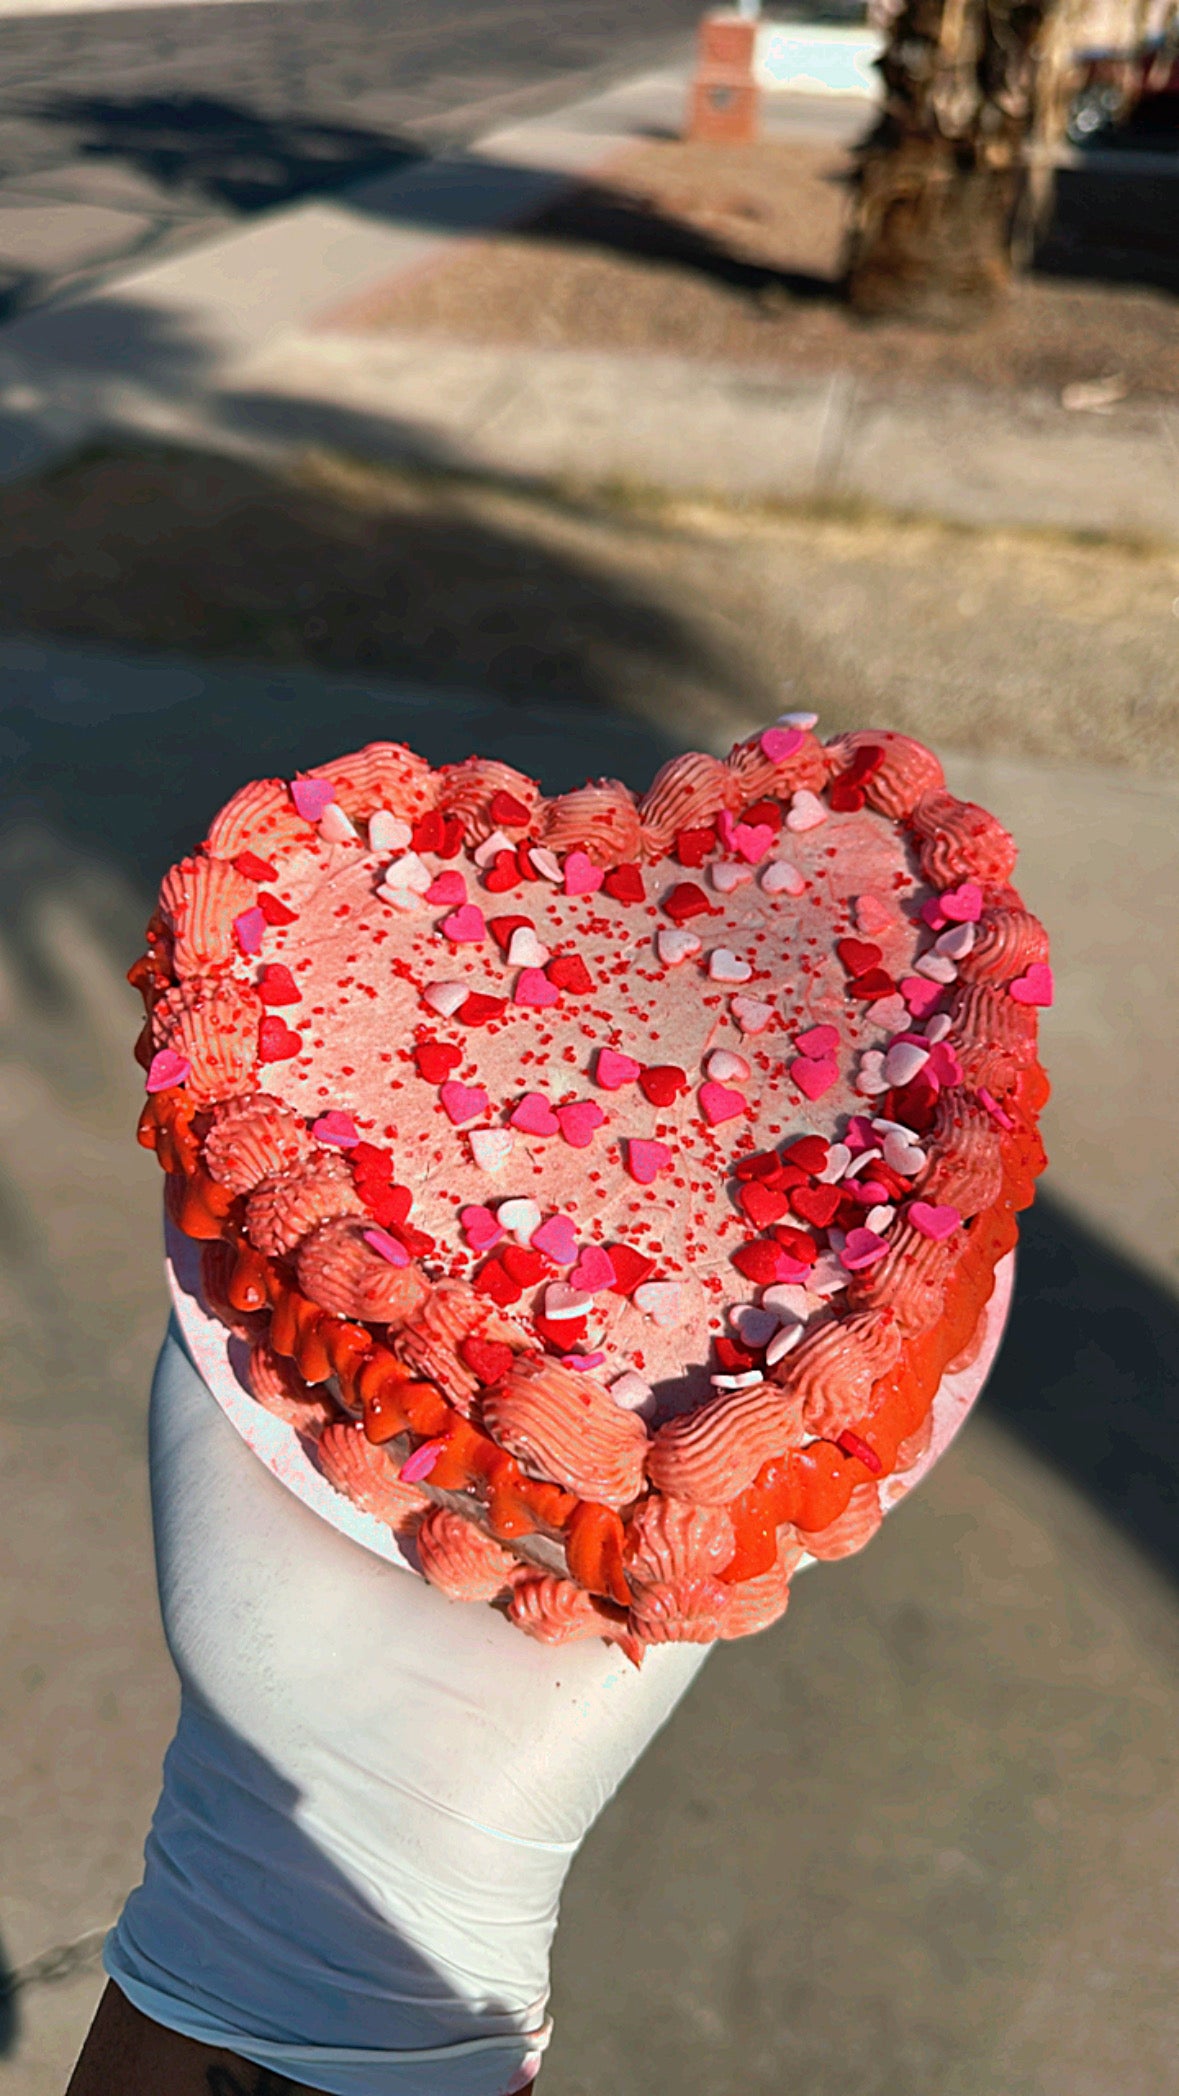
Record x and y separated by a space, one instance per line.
938 179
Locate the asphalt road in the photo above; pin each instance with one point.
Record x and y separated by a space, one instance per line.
140 131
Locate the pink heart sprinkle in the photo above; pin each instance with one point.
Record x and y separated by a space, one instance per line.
931 1221
386 1247
421 1462
557 1239
613 1070
645 1160
814 1075
465 927
920 995
779 743
447 887
719 1103
480 1228
462 1102
859 1134
533 988
934 915
943 1064
312 796
962 905
751 841
167 1069
338 1129
792 1271
579 1122
818 1041
581 1363
594 1270
534 1115
862 1248
1036 987
249 930
582 877
997 1114
871 915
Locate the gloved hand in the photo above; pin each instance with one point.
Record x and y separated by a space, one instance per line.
373 1796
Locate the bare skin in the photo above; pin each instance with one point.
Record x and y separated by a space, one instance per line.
125 2054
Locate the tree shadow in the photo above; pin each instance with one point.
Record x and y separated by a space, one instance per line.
1113 227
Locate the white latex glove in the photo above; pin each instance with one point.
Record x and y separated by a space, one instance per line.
373 1796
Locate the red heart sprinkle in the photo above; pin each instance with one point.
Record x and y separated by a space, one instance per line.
816 1204
502 874
685 901
276 1041
809 1152
569 972
763 812
477 1010
274 911
625 884
501 929
662 1083
427 832
436 1059
369 1162
631 1268
506 811
278 985
762 1204
797 1242
692 847
493 1279
734 1359
252 868
487 1359
761 1262
858 955
765 1165
872 985
525 1265
388 1205
560 1333
852 1445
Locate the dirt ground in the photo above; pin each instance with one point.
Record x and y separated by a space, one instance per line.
732 254
713 618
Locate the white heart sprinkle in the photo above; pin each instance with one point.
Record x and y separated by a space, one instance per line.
882 1127
409 871
936 967
630 1391
335 827
804 721
729 875
747 1380
783 1340
937 1029
401 898
490 848
890 1014
826 1277
787 1299
562 1301
879 1218
903 1157
751 1014
387 832
525 949
838 1160
755 1326
446 997
519 1216
865 1157
546 863
726 966
903 1061
726 1068
658 1300
676 945
871 1078
957 942
491 1147
781 878
806 811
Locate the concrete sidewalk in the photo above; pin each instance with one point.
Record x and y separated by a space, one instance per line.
921 1836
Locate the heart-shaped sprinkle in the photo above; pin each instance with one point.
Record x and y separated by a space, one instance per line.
277 1042
785 1339
336 827
488 852
780 743
920 994
726 1068
788 1300
754 1326
880 1215
557 1239
862 1248
386 1247
249 929
718 1103
938 1027
612 1069
491 1148
751 1015
625 884
814 1074
858 956
581 1364
387 832
311 797
534 1116
409 871
582 877
764 1205
943 1064
447 887
957 942
1036 987
751 841
545 863
726 876
838 1160
904 1158
998 1115
525 950
646 1159
872 915
964 904
534 988
806 811
579 1122
933 1221
870 1077
569 972
630 1391
594 1270
403 899
727 967
339 1130
276 985
936 967
465 927
166 1069
816 1204
781 878
463 1102
520 1216
676 945
421 1462
446 998
563 1302
903 1061
818 1040
480 1228
660 1301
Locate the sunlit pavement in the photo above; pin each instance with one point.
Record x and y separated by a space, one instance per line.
920 1837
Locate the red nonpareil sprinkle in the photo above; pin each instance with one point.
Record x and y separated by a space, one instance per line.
436 1059
663 1083
691 847
487 1359
631 1268
277 1043
858 955
816 1204
625 884
477 1010
685 901
507 812
278 986
502 874
252 868
494 1280
274 911
501 929
569 972
850 1444
808 1152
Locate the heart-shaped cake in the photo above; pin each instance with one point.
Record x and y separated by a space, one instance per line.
603 1185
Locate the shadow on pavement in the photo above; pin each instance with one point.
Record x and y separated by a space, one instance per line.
9 2015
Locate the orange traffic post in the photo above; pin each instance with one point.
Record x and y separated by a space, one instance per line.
724 104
